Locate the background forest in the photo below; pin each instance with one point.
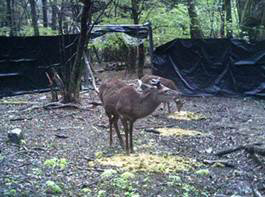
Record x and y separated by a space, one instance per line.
170 18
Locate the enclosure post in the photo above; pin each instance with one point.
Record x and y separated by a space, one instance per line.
151 44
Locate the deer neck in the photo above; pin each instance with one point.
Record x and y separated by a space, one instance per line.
146 105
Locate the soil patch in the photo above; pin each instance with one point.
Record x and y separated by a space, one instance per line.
60 144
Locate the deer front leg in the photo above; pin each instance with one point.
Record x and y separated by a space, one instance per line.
110 128
116 118
125 125
164 106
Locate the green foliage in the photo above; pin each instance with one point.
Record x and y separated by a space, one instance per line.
108 173
53 163
102 193
170 19
203 172
1 157
168 24
53 188
112 40
125 183
86 191
174 180
127 175
11 193
99 155
28 31
4 31
37 171
44 31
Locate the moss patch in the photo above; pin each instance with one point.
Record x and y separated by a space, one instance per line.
184 115
178 132
149 163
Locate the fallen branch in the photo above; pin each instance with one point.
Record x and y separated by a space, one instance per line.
57 105
241 147
95 103
17 102
90 72
31 108
63 128
61 136
224 162
20 119
151 130
19 152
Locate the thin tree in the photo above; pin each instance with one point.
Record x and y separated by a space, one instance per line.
10 17
54 17
45 13
222 18
136 18
228 10
72 92
34 17
72 88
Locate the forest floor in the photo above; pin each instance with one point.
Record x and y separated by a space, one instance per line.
66 151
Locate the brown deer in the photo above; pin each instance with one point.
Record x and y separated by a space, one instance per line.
108 94
168 83
132 104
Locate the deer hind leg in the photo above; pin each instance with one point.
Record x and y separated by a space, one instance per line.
164 106
125 125
131 136
179 104
110 128
115 121
168 107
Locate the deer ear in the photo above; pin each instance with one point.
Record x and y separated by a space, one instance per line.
144 86
155 82
140 82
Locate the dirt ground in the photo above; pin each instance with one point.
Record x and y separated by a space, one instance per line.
66 152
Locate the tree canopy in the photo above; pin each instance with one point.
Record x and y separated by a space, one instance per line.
170 19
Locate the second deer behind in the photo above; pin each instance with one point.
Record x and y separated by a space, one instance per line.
168 83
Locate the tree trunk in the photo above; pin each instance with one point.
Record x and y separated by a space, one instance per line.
252 18
72 93
61 18
44 13
131 60
10 18
141 61
228 10
132 55
222 17
195 29
140 49
34 17
54 14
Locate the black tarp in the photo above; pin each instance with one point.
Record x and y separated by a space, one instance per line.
137 31
24 61
213 66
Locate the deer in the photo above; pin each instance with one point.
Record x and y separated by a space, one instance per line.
133 105
108 94
168 83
